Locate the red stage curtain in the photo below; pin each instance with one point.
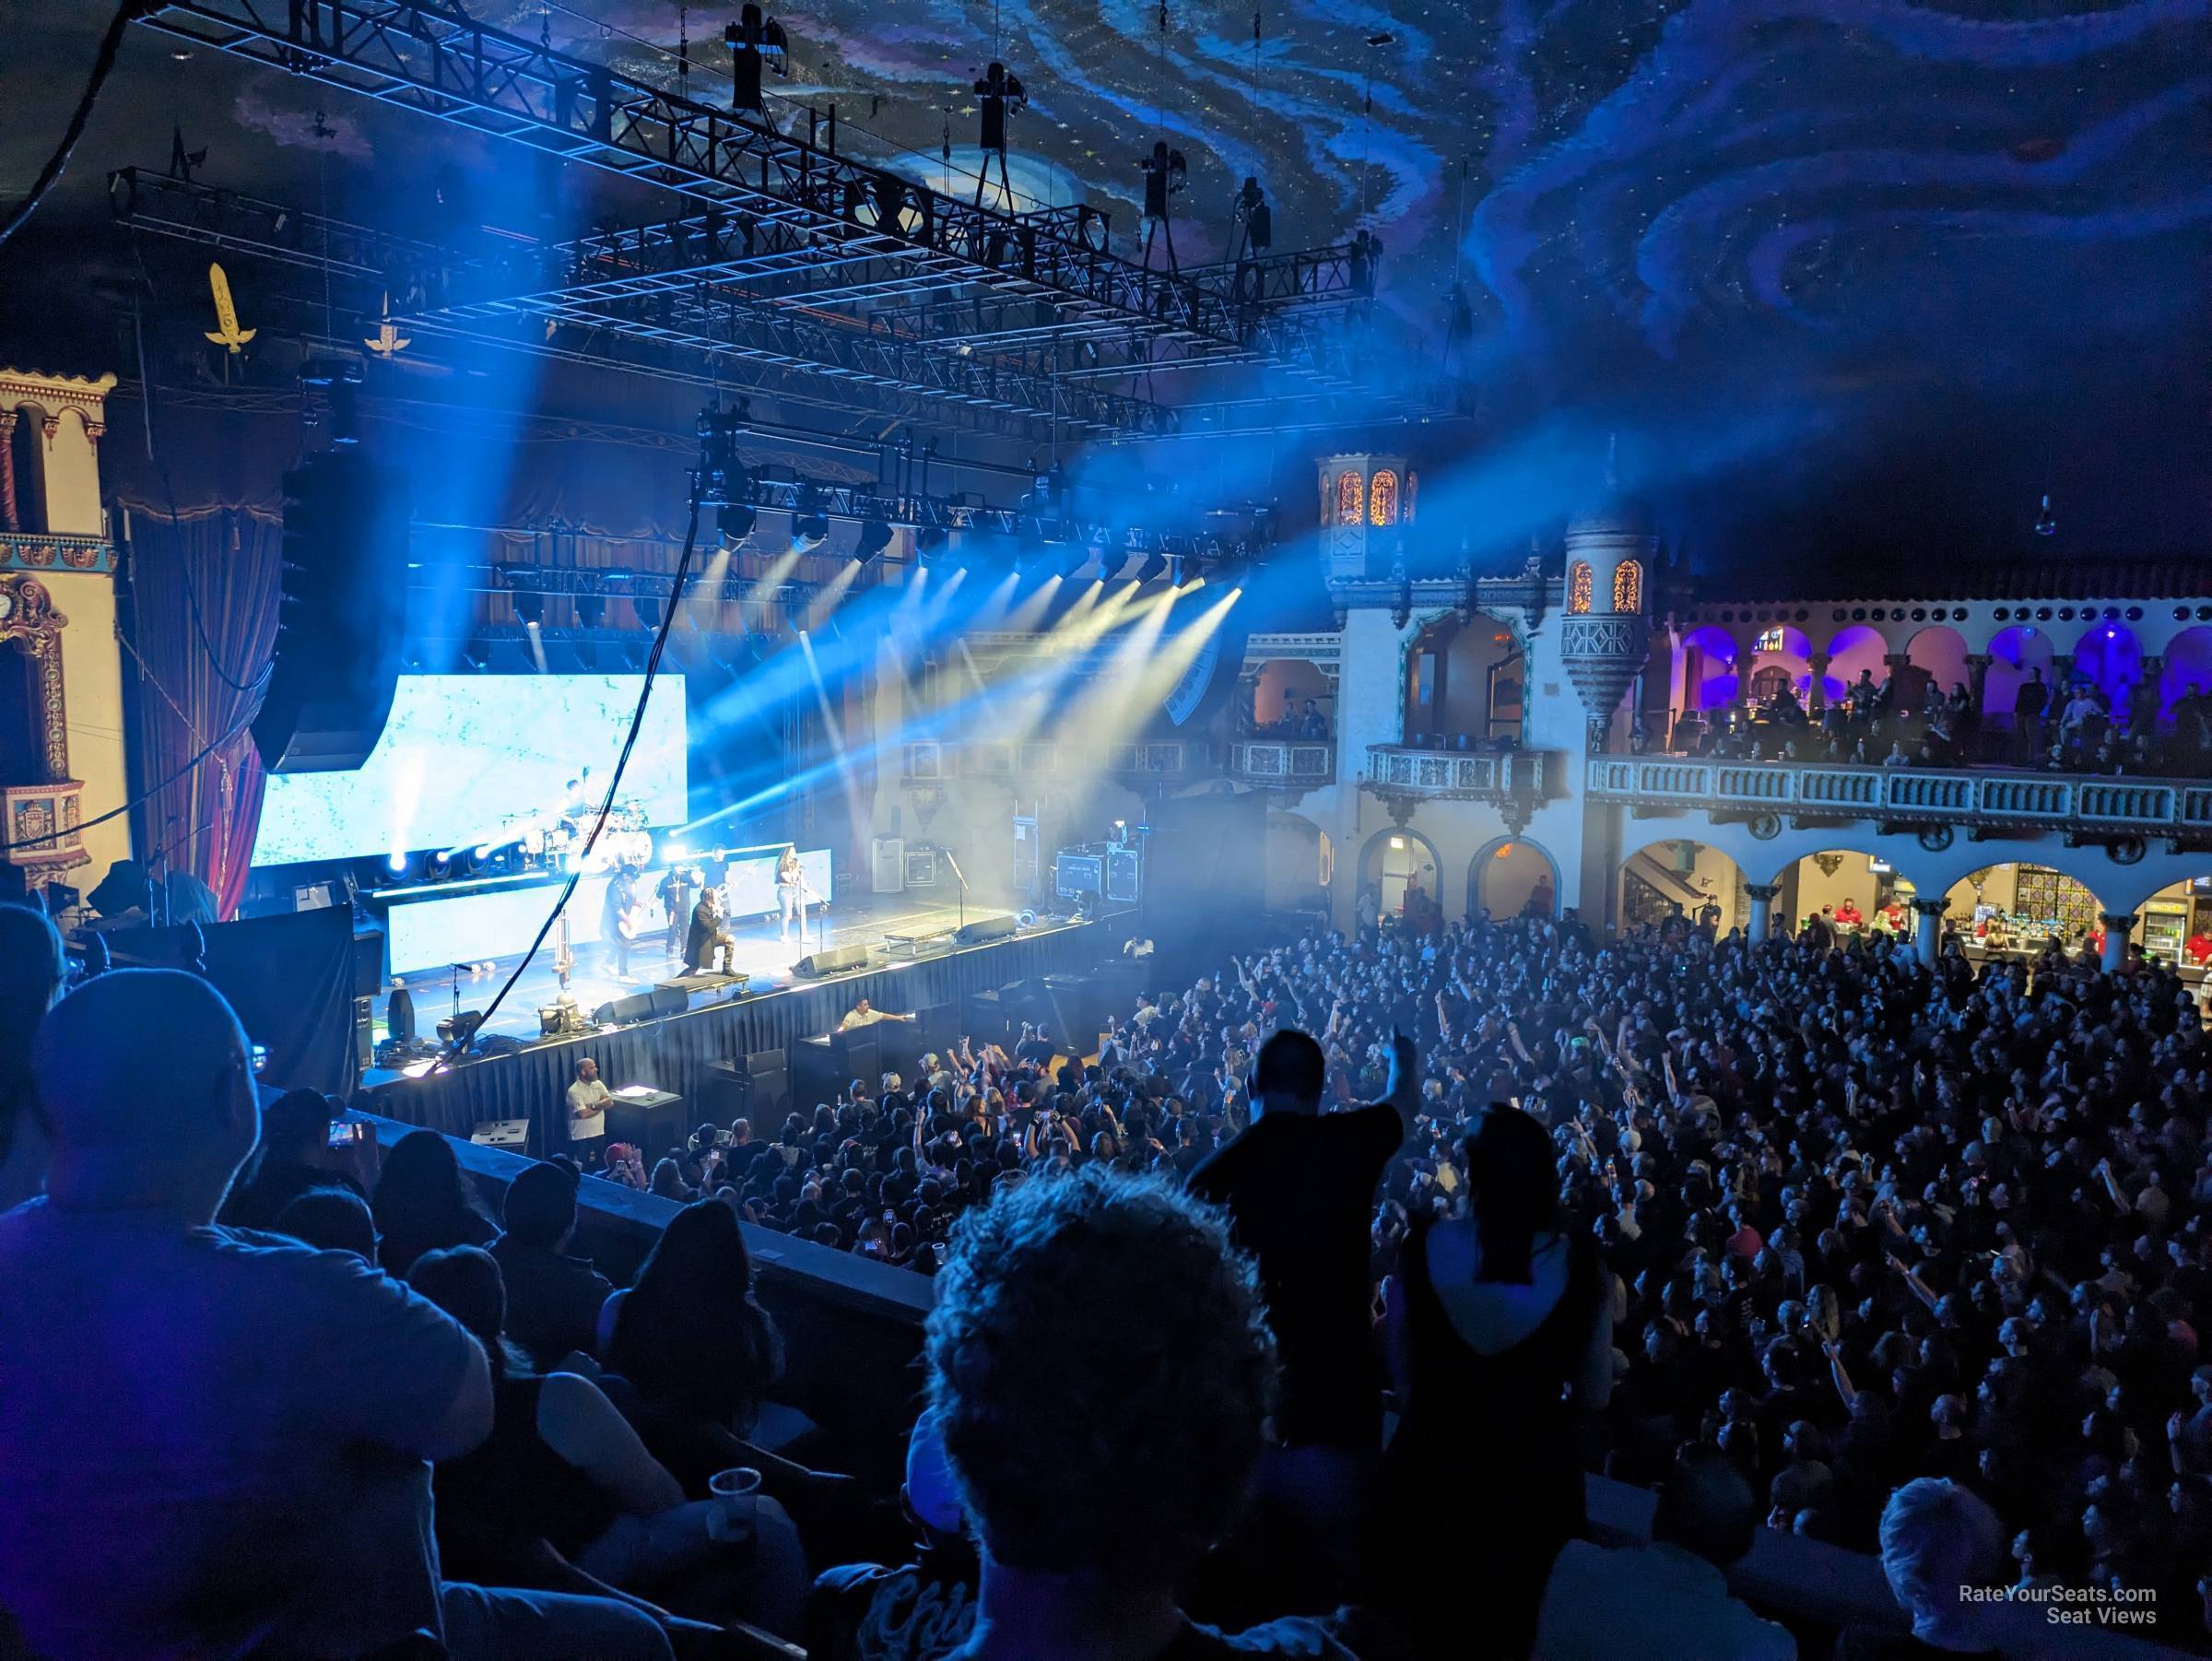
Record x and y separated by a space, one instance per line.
233 556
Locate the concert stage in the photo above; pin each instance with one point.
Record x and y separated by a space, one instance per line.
954 990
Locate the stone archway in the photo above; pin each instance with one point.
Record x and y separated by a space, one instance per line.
1512 876
1396 862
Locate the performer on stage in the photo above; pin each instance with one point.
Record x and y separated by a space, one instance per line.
707 933
675 894
791 892
618 917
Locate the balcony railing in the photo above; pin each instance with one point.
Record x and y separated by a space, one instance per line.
1914 795
1309 764
1456 775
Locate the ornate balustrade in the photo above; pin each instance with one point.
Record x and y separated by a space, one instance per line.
1457 775
1978 799
1306 764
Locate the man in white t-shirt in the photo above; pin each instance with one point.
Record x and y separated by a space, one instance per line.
215 1439
588 1097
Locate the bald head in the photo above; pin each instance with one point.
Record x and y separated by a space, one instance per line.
142 1068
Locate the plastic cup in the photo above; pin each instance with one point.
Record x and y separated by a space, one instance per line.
737 1494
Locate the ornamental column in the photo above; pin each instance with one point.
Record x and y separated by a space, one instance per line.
1815 694
1762 896
2118 925
1897 663
1977 669
1927 929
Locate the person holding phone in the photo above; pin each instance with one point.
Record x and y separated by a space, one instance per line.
295 1154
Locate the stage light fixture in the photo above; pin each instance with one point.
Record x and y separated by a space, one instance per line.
591 610
398 863
530 606
734 520
875 537
809 531
650 609
1154 568
930 543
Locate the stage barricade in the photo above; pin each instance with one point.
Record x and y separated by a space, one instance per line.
673 1053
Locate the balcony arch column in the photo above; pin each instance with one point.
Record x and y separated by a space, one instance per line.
1762 896
2118 925
1927 928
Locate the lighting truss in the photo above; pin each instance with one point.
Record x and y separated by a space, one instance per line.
826 216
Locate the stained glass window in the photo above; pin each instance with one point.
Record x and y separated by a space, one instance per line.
1348 498
1577 587
1382 499
1628 586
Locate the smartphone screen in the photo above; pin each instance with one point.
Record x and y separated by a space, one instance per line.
347 1133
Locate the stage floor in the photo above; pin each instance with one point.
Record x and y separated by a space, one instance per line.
764 959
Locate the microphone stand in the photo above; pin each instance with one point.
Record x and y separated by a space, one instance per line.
962 880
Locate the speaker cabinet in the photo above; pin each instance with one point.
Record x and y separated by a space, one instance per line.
838 960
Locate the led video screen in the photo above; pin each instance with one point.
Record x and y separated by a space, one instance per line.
467 760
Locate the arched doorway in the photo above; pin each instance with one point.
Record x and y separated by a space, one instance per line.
1396 864
1937 655
1512 878
1301 862
2188 667
1677 878
1853 893
2014 910
1465 683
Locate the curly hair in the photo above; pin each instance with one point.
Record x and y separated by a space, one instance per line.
1101 1366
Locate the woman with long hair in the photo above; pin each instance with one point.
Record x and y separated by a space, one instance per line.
1500 1329
425 1201
693 1342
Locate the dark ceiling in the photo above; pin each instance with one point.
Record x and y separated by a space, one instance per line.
1851 281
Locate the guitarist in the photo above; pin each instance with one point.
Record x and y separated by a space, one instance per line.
618 919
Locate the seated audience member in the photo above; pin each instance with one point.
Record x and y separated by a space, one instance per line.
214 1442
922 1611
1667 1601
32 968
553 1299
1101 1368
425 1201
1939 1537
295 1131
564 1495
330 1220
694 1344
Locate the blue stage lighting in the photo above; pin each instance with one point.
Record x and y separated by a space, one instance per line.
875 537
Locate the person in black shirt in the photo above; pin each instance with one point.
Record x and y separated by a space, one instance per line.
707 933
617 923
1299 1189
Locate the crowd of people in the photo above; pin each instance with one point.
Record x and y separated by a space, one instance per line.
2076 727
1301 1309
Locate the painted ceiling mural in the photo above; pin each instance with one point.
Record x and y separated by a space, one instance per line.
1851 227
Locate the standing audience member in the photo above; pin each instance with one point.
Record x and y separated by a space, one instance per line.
588 1097
1503 1329
1101 1368
424 1201
1300 1187
32 968
553 1299
1938 1538
214 1444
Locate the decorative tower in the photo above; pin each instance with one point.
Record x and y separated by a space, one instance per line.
1366 502
1604 639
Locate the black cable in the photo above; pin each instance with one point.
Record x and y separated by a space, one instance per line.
111 43
637 722
206 749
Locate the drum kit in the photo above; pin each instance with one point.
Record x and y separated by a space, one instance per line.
559 844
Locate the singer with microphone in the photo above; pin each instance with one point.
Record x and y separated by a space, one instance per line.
791 892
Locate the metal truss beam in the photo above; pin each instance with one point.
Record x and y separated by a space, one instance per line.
800 195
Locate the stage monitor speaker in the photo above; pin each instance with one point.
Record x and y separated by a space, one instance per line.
986 928
345 574
634 1006
369 962
399 1016
501 1132
836 960
670 1001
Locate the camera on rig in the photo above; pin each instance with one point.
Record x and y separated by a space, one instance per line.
720 476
